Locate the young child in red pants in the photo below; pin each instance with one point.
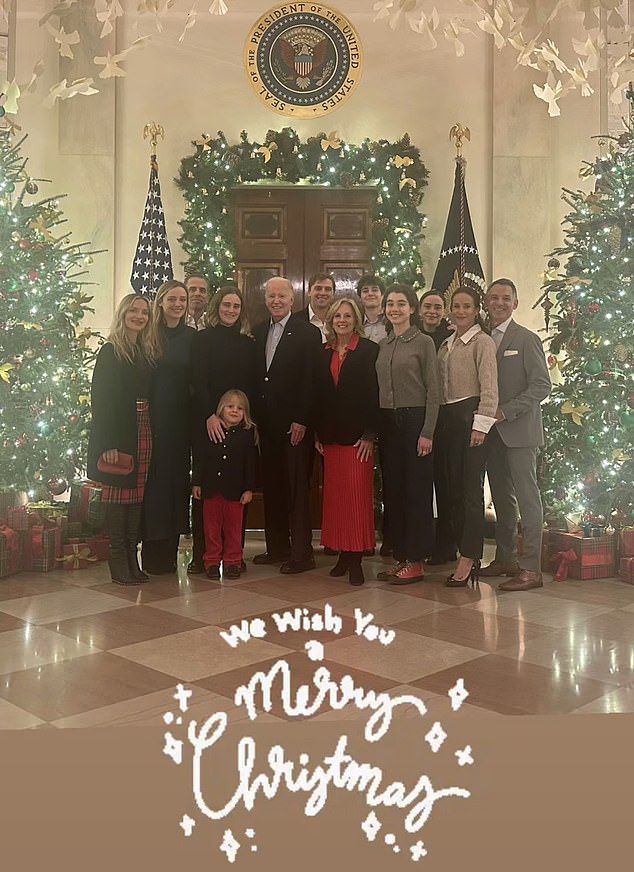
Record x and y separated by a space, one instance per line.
223 477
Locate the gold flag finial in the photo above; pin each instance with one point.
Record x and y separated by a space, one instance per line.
152 130
458 133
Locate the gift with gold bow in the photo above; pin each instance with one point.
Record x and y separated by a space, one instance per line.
77 555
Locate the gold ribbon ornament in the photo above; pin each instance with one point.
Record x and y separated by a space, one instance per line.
577 412
267 150
331 142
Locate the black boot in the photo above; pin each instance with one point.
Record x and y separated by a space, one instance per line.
133 537
355 572
341 566
116 520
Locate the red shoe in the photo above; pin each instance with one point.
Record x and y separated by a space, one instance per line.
387 574
409 573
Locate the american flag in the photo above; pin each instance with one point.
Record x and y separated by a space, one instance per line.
459 261
152 261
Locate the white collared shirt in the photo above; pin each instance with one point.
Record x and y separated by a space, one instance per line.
199 324
498 332
317 322
482 423
276 329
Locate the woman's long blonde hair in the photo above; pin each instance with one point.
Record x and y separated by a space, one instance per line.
331 336
124 347
156 319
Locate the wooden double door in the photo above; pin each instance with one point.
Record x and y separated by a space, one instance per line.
299 230
296 231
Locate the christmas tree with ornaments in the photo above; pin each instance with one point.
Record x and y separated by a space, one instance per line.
45 356
587 471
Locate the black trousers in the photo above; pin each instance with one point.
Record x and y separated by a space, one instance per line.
286 489
462 467
407 484
444 537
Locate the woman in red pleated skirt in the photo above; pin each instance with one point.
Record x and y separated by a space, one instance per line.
347 422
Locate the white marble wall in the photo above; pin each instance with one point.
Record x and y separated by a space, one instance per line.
93 148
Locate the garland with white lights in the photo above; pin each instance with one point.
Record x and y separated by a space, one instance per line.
395 169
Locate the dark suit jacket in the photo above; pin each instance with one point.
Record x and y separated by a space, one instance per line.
349 410
226 467
285 392
523 382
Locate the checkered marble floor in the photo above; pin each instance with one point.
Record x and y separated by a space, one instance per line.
79 651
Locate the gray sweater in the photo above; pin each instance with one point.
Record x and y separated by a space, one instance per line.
407 371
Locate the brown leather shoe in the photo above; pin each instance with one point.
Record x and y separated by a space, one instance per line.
524 580
496 568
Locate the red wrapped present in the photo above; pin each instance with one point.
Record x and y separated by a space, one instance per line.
11 546
594 556
76 556
42 547
626 569
17 518
627 542
99 545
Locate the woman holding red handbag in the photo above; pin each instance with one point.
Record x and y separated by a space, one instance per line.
120 442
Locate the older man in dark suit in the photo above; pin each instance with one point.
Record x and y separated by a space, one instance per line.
287 346
523 382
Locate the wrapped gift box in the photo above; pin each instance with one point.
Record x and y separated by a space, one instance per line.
627 542
11 550
626 569
76 555
578 556
42 548
99 545
17 518
71 531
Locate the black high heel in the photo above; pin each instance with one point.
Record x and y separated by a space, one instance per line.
472 577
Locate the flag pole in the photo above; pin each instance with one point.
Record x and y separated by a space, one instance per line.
458 133
459 260
152 264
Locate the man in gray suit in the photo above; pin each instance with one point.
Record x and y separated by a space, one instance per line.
523 382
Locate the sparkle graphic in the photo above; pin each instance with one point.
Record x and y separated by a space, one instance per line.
390 839
464 757
187 824
250 834
370 826
417 851
314 649
435 737
457 694
230 846
182 695
168 717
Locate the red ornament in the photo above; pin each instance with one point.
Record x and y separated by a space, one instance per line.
73 419
589 479
44 343
33 275
24 244
630 401
594 308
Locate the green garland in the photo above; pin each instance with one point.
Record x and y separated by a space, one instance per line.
394 168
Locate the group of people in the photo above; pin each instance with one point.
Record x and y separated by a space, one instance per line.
441 397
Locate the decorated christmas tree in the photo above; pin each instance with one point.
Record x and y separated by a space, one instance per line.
44 356
588 463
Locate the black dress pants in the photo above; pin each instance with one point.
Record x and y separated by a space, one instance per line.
286 490
463 469
407 484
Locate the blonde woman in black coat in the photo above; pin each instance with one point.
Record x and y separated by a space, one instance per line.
121 423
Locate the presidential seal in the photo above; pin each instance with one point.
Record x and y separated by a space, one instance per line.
303 60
